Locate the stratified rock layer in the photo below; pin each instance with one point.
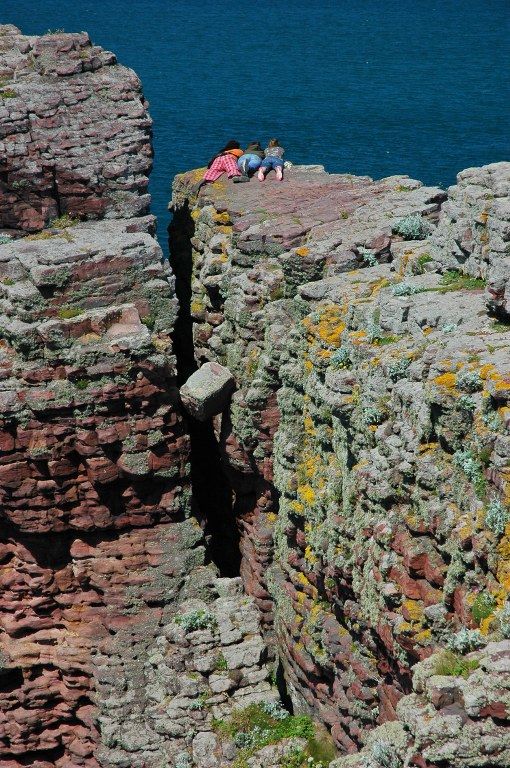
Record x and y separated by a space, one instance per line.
367 438
74 132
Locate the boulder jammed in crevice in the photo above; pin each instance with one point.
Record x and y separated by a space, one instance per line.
366 441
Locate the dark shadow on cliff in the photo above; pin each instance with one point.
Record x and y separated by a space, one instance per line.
212 492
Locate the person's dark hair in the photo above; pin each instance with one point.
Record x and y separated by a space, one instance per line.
274 143
231 145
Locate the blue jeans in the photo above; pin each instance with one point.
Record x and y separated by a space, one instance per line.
271 162
249 162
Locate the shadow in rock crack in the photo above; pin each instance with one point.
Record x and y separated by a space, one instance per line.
212 492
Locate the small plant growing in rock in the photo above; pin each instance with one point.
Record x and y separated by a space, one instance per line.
466 403
341 358
371 414
5 239
449 327
63 222
483 606
220 663
81 383
405 289
469 381
183 760
384 755
504 621
466 640
368 256
412 228
199 619
275 710
496 516
149 321
471 468
449 664
398 369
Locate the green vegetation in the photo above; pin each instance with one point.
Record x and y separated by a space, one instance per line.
63 222
8 94
422 260
483 606
199 619
344 214
81 383
220 663
68 314
500 327
453 664
149 321
452 280
258 725
497 516
341 358
412 228
4 239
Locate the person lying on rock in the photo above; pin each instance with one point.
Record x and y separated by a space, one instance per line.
250 161
224 161
273 158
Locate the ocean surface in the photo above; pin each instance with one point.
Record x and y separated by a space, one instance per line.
369 87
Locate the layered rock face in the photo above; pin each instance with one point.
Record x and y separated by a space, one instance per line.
367 438
74 135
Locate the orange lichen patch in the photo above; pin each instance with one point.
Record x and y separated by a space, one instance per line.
412 610
310 557
373 428
427 330
427 448
302 251
485 370
424 637
357 334
297 507
446 380
377 287
271 517
324 354
307 493
360 464
328 329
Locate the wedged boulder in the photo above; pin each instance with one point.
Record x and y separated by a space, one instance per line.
207 391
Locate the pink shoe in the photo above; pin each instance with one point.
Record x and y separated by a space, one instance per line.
279 174
260 174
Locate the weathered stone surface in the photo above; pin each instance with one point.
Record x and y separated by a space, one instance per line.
74 134
207 391
366 441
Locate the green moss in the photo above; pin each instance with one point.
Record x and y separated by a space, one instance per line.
452 280
81 383
8 94
67 314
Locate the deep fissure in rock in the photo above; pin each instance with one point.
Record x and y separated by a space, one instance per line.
212 492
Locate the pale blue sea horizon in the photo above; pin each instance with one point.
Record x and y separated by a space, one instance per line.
373 88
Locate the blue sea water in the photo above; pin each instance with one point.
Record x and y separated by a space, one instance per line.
375 87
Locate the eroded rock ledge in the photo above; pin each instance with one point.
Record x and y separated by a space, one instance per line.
367 440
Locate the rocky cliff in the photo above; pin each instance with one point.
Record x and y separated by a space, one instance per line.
366 442
98 548
357 451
